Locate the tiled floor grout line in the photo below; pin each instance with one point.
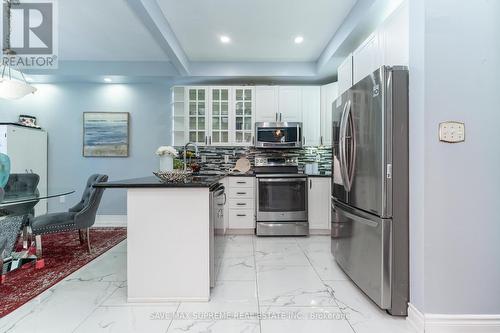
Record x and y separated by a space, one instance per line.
323 281
175 313
256 284
104 300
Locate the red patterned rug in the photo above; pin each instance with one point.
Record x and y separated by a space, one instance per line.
63 255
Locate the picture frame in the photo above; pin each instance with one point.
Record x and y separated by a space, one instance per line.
106 134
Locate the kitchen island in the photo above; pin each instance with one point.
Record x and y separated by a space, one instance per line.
168 238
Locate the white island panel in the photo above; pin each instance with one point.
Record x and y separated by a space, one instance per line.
168 244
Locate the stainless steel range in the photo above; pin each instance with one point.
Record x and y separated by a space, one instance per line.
281 207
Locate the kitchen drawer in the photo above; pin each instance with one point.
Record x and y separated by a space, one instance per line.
241 203
241 192
241 181
241 219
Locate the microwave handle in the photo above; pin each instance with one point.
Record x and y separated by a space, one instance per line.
299 136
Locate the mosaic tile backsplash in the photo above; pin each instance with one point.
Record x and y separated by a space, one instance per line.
213 158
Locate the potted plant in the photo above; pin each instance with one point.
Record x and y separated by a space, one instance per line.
166 154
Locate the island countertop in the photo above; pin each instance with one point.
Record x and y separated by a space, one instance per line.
154 182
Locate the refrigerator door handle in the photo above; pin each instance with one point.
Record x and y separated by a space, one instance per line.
352 160
342 146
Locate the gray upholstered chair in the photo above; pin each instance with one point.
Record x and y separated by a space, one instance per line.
21 185
80 217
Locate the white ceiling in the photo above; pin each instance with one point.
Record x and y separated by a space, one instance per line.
261 30
104 30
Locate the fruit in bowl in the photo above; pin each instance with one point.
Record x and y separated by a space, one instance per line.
175 176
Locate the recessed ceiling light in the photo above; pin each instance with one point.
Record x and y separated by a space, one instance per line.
225 39
298 39
108 79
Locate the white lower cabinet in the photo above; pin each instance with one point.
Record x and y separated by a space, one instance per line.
241 219
240 204
319 204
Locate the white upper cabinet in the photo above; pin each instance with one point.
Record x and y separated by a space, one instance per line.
388 45
226 115
266 103
290 103
177 105
219 134
329 94
344 75
367 57
243 119
394 36
311 115
197 115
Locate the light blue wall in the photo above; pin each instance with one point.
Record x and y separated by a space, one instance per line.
455 188
59 109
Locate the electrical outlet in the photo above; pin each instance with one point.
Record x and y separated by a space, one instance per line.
226 159
452 132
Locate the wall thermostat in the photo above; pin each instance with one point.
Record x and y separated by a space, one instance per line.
452 132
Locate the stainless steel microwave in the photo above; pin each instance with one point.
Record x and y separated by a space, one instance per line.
278 135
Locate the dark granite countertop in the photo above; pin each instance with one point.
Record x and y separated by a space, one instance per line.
326 175
154 182
202 180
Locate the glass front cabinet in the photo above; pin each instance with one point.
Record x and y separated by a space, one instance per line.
214 115
219 116
197 115
244 107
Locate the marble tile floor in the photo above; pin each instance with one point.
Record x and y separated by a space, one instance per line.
263 285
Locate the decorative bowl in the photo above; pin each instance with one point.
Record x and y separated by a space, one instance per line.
175 176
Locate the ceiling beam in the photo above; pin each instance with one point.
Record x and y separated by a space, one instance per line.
151 15
253 69
106 68
353 19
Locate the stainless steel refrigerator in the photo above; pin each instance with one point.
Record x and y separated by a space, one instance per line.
370 186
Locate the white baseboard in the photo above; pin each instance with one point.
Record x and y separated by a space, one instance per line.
111 221
416 318
240 231
445 323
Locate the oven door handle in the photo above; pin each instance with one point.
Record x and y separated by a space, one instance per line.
281 180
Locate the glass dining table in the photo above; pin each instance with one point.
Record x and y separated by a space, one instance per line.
15 211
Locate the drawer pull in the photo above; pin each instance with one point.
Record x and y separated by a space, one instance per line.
241 215
240 182
241 193
241 204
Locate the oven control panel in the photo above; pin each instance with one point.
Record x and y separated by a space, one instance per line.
276 161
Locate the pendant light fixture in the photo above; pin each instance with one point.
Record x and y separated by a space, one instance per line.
12 87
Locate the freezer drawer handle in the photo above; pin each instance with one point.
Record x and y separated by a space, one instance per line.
360 219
